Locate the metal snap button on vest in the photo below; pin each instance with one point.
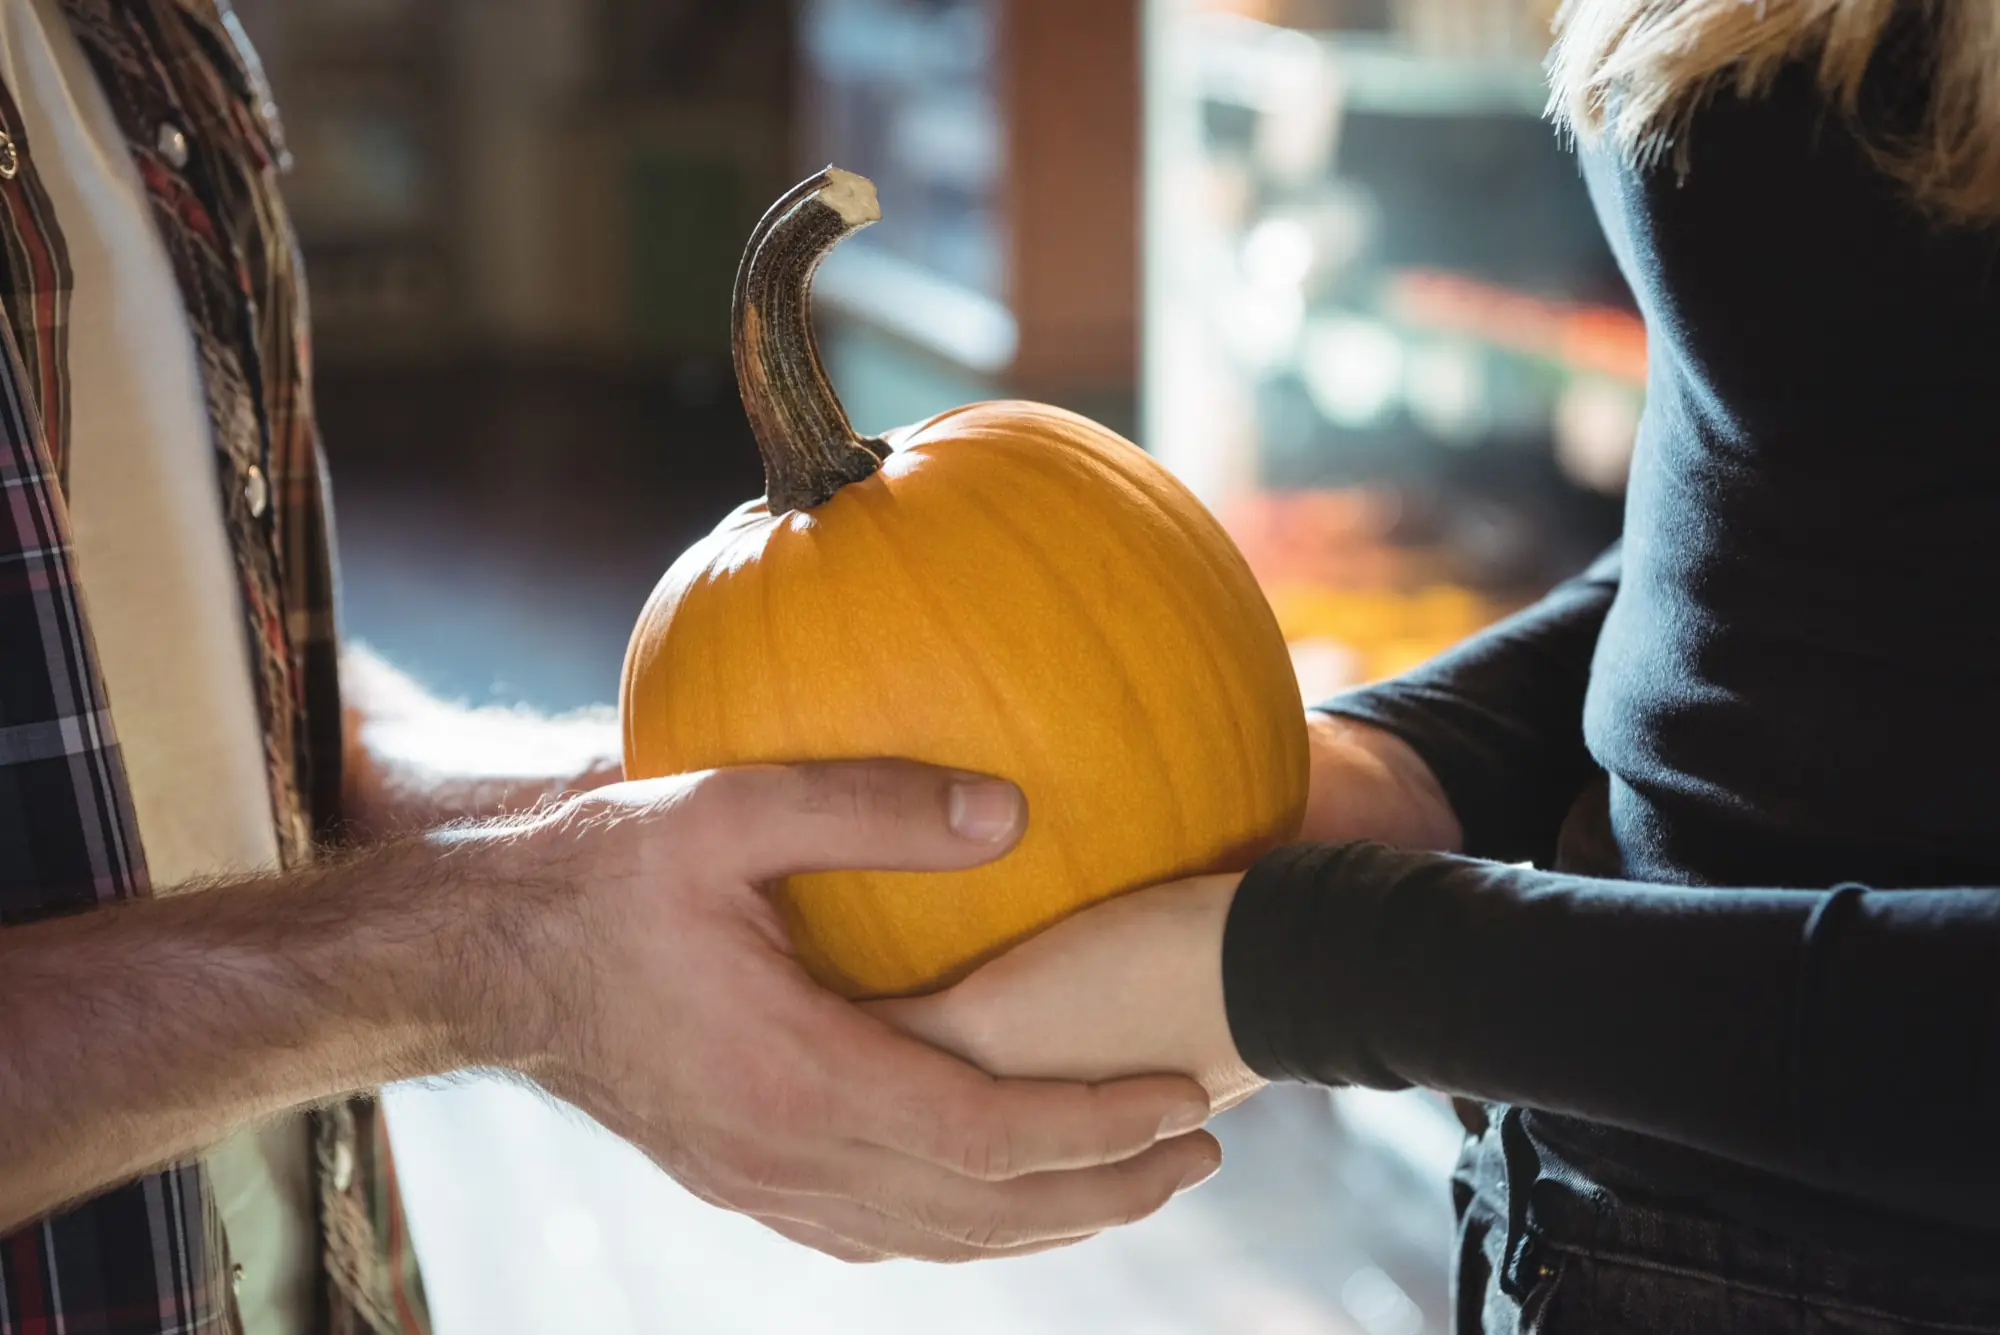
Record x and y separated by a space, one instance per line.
172 142
10 157
256 491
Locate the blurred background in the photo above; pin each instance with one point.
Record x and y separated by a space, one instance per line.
1323 257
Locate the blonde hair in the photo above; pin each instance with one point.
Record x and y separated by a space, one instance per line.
1633 72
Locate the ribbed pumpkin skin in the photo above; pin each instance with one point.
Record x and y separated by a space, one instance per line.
1018 592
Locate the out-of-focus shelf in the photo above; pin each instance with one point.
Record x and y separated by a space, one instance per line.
1580 339
947 319
1004 138
1465 362
1247 63
881 43
1378 78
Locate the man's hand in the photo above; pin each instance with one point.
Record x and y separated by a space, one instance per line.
1127 987
662 998
619 948
1369 784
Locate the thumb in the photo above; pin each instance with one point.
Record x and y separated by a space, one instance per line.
876 815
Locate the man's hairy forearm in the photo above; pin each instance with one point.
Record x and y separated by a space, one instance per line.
142 1033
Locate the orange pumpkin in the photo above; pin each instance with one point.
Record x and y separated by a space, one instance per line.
1011 590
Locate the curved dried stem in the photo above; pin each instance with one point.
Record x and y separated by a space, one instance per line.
810 449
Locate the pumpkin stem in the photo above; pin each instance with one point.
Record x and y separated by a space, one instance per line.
810 449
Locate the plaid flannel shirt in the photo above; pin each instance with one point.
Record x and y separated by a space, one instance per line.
149 1257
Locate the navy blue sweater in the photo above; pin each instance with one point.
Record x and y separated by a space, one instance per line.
1788 679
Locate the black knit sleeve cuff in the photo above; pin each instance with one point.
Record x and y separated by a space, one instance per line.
1295 957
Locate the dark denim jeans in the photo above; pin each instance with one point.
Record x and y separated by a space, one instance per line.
1573 1262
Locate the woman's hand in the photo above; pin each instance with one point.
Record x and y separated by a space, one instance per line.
1131 986
1134 985
1370 784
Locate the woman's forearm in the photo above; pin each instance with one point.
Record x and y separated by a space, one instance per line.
1842 1038
1498 720
1368 783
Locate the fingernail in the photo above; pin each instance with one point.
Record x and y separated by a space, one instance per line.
1197 1175
984 810
1188 1117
